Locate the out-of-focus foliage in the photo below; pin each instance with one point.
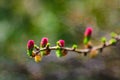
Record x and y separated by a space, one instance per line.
21 20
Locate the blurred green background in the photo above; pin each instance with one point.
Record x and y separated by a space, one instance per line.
21 20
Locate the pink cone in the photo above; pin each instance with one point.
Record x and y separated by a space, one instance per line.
88 31
44 41
62 43
30 44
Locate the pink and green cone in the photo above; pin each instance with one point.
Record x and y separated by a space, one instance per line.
30 47
87 35
43 44
60 52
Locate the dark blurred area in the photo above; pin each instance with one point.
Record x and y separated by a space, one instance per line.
21 20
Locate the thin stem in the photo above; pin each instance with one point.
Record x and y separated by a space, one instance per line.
86 50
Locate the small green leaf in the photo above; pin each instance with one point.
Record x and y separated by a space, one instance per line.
112 41
103 39
113 34
74 46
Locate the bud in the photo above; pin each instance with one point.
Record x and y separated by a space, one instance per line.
47 51
88 31
60 52
61 43
74 46
30 47
30 44
103 39
113 34
112 41
87 35
38 58
44 42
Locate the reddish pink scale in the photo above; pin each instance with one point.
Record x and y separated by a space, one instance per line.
62 43
30 44
88 31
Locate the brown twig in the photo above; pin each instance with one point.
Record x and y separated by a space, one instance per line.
86 50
